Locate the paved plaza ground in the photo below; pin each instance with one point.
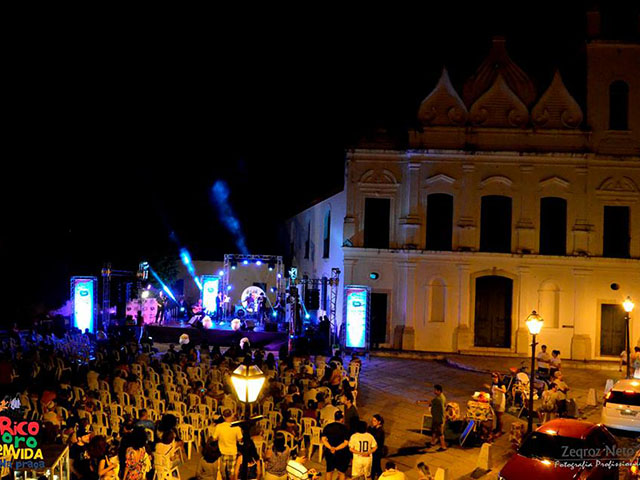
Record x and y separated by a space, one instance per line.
390 386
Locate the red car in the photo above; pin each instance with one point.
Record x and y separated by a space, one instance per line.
565 449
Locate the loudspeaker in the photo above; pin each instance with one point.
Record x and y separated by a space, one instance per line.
312 298
270 326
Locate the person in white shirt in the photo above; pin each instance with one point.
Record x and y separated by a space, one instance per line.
227 437
327 412
543 360
296 469
362 445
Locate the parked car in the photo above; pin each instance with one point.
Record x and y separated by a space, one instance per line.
564 449
621 407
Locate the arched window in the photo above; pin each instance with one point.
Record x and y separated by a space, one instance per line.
437 295
549 304
618 105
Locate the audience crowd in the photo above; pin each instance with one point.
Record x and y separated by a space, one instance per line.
128 412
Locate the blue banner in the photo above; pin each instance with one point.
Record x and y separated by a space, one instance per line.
357 312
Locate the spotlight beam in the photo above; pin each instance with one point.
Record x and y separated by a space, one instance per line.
163 285
185 256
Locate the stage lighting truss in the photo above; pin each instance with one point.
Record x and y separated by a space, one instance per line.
273 263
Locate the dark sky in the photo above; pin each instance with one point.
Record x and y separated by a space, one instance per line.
117 134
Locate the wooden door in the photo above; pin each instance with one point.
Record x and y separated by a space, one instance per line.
492 326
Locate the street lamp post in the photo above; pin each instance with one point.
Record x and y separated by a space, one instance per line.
534 324
628 308
247 381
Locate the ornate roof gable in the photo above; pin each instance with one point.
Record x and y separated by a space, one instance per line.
497 63
443 106
556 108
499 107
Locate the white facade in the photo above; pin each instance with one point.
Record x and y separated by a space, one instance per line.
312 255
501 139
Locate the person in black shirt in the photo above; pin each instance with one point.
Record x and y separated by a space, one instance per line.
351 417
377 430
335 438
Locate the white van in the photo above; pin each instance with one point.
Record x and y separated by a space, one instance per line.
622 406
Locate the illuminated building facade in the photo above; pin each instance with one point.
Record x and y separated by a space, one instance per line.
505 199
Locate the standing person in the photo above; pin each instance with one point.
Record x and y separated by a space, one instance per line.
227 437
334 438
276 459
362 445
351 417
161 302
543 361
555 363
498 400
219 305
437 418
377 430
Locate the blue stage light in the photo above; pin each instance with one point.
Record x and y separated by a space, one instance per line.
245 262
221 272
233 267
307 316
275 314
162 284
182 309
279 275
258 262
229 287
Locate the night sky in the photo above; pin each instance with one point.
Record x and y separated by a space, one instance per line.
116 138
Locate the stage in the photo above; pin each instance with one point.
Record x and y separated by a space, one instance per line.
222 335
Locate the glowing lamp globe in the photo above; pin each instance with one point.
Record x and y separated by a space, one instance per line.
628 305
145 294
247 382
534 323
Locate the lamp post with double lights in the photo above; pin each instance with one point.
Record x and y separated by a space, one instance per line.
534 324
247 381
628 308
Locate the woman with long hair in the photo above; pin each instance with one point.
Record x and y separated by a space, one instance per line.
377 430
254 467
276 459
137 462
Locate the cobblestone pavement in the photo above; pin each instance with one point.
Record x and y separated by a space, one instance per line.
391 386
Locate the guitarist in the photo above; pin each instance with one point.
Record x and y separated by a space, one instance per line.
437 417
198 313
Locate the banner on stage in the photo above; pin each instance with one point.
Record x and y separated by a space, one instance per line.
357 316
83 296
210 288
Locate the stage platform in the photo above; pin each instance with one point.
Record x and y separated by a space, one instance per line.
221 336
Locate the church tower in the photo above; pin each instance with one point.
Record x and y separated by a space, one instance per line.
613 89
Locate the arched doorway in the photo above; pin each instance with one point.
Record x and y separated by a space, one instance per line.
492 326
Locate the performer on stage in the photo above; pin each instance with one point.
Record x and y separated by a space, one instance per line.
161 302
198 314
262 307
219 306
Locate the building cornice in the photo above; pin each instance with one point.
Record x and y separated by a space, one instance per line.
416 256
